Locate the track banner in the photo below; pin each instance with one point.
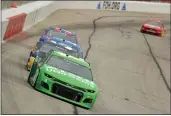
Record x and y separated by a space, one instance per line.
124 7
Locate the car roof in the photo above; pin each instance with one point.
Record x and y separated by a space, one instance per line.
62 33
57 39
71 58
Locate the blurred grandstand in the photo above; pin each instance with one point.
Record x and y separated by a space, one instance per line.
5 4
157 1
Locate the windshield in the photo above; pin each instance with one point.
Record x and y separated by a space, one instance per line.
155 23
53 33
42 54
47 47
69 66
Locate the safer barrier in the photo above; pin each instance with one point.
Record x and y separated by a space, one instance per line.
4 27
34 10
45 11
30 19
15 25
39 10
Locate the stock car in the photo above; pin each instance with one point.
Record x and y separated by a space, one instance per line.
65 77
59 33
154 26
43 47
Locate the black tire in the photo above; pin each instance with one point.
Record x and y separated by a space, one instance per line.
28 80
27 67
142 31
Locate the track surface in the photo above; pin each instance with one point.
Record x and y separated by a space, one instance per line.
123 68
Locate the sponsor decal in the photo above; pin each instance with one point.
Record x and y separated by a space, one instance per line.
111 5
124 7
52 69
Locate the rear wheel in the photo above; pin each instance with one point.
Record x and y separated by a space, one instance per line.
142 31
34 72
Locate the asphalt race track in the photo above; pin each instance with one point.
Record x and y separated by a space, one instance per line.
131 69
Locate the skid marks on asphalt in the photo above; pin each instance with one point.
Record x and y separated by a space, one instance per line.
119 64
138 101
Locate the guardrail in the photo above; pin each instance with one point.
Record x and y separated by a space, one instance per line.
15 25
39 10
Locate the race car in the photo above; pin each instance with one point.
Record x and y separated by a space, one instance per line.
154 26
59 33
65 77
42 48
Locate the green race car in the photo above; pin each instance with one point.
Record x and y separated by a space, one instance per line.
65 77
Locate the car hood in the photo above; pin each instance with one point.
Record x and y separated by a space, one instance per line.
69 77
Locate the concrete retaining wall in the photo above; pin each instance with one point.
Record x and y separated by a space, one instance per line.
39 10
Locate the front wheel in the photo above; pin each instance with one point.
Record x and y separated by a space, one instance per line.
142 31
32 80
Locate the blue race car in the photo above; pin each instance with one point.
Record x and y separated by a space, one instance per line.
60 33
69 44
43 47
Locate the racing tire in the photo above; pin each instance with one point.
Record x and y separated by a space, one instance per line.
35 76
142 31
27 67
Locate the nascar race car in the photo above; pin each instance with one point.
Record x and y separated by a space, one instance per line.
42 48
59 33
155 27
65 77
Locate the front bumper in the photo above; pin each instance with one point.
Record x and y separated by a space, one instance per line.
46 85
